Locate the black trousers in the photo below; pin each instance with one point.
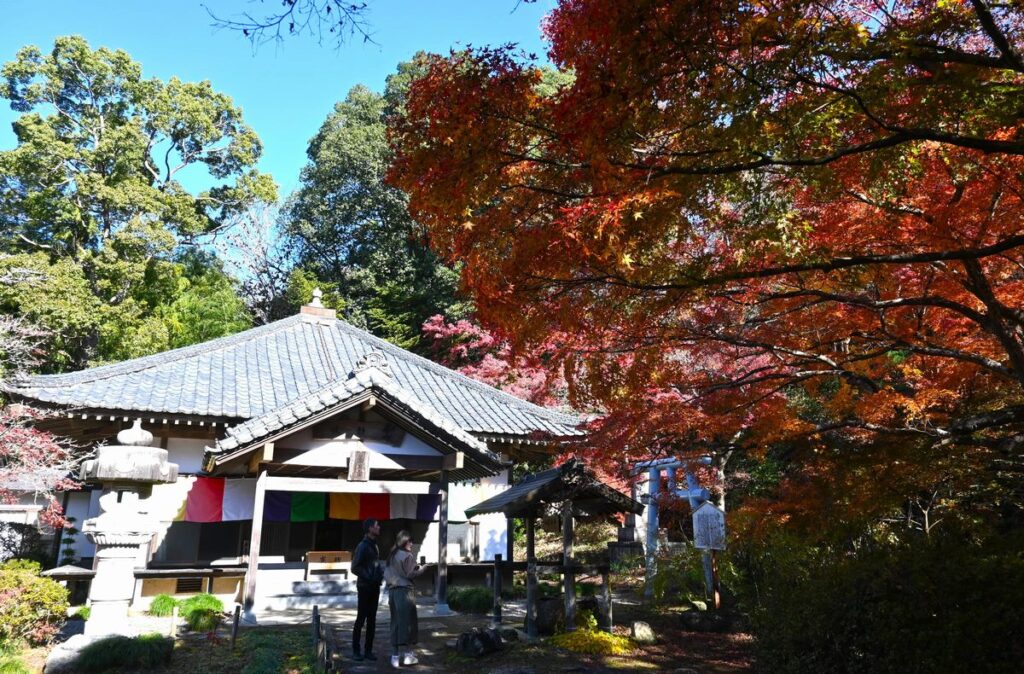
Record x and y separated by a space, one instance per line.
366 613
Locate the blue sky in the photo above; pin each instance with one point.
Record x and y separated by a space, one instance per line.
285 91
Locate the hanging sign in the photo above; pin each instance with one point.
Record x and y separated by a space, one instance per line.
709 527
359 466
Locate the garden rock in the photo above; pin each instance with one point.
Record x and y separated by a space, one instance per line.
550 613
697 621
61 659
477 642
509 634
642 633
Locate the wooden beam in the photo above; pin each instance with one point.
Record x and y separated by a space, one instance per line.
254 542
454 461
334 486
263 455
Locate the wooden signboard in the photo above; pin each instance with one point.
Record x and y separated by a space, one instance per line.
359 465
709 527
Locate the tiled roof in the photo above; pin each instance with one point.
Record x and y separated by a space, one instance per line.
256 372
371 378
570 481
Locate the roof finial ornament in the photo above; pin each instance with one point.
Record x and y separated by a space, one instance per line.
317 294
136 436
373 359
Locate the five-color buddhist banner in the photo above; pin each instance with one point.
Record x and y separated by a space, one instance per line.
216 499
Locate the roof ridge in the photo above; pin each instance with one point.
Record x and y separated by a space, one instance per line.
525 405
155 359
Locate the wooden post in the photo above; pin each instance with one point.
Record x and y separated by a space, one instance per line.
568 577
496 616
606 586
510 548
716 587
441 604
531 579
316 629
254 542
234 626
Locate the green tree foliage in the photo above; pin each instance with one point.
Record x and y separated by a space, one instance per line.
351 230
94 212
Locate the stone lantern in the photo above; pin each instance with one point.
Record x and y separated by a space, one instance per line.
126 472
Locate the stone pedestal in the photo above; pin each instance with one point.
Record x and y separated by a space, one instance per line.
114 583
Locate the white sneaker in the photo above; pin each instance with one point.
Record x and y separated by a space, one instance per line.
409 659
394 661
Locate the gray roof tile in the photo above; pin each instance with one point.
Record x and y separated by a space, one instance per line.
261 370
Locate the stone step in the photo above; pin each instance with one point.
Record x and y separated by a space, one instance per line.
313 587
285 602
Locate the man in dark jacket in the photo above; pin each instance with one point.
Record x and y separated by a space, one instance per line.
369 576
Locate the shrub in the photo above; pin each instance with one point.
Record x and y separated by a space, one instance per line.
203 619
593 642
81 613
942 604
11 662
201 602
144 653
471 599
23 541
31 608
679 575
30 565
162 605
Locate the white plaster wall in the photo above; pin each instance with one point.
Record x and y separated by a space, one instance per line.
82 505
187 453
335 453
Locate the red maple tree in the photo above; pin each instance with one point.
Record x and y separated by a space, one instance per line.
753 225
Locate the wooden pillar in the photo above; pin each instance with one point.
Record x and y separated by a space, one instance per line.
254 542
441 607
568 576
531 578
510 548
606 587
496 614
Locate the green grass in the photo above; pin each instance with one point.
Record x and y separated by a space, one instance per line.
258 651
145 652
10 661
81 613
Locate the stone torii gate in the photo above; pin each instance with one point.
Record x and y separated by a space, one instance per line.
693 492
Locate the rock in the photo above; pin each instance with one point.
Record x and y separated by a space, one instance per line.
550 613
509 634
478 642
62 658
696 621
642 633
698 605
